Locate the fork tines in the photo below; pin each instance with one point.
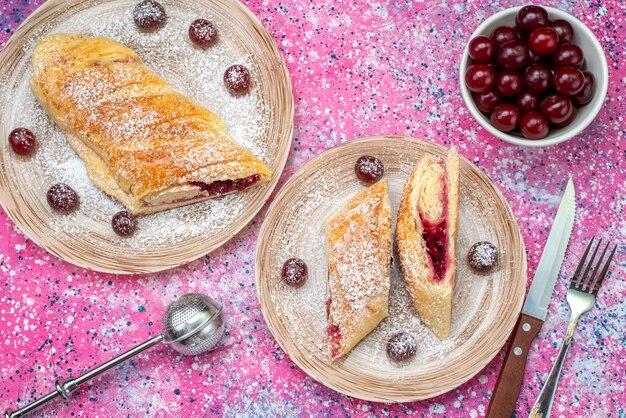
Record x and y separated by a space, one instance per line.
589 280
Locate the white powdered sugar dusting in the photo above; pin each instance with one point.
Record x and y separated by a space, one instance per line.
197 73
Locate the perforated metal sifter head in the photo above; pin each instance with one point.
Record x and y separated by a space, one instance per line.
192 324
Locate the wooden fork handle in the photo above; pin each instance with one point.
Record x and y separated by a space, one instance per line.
509 382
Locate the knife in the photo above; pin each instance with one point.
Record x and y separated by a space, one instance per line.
535 308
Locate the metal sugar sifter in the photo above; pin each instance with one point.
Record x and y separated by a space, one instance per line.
191 325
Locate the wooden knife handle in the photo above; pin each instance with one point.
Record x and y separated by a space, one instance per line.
509 382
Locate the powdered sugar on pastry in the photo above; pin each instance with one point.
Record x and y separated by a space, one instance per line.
196 73
359 257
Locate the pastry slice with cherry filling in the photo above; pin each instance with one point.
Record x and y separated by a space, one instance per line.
426 238
359 261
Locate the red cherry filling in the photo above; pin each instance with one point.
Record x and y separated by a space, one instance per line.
435 234
402 346
294 272
369 169
124 223
237 79
62 198
203 33
149 14
221 187
22 141
334 334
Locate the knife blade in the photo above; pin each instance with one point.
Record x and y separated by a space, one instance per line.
535 308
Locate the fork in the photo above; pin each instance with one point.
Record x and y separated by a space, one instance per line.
581 297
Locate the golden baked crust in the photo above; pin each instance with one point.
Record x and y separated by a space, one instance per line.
142 142
426 198
359 261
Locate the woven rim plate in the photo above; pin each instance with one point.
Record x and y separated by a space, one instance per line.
485 308
170 238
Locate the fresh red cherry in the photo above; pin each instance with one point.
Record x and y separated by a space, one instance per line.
568 120
527 102
568 55
537 78
543 41
149 14
62 198
530 18
485 102
237 79
503 34
556 108
203 33
481 49
124 223
564 30
369 169
569 81
512 55
586 94
480 78
532 58
509 83
505 117
534 126
294 272
22 141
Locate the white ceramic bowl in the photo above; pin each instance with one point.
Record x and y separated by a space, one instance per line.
595 64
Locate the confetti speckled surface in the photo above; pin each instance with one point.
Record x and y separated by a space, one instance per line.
358 69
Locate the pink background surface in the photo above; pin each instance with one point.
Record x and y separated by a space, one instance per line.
357 70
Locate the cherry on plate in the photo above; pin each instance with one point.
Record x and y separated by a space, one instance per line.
149 14
22 141
556 108
503 34
505 117
529 18
369 169
509 83
527 101
62 198
538 78
568 55
564 30
485 102
481 49
237 79
543 41
401 347
480 78
512 55
482 256
586 94
124 223
569 81
533 125
203 33
294 272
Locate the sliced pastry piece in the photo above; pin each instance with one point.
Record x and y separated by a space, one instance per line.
426 238
359 262
142 142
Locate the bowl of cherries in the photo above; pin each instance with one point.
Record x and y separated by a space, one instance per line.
533 76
